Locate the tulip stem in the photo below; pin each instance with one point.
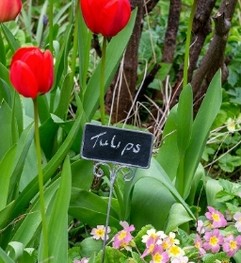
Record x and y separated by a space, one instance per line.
188 42
40 181
2 48
75 46
102 82
51 24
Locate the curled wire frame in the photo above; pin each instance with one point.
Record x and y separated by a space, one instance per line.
100 169
126 171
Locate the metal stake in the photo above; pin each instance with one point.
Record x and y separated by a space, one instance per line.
113 169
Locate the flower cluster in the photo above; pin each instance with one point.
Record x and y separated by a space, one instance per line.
121 240
159 247
213 236
163 248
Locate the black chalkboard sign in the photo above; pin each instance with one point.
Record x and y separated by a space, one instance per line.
121 146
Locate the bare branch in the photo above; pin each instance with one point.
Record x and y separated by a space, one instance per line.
214 58
150 5
201 28
171 31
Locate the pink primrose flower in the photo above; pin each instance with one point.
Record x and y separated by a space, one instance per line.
200 227
216 218
198 243
175 252
151 246
83 260
126 226
237 218
99 232
153 235
159 256
153 240
123 238
182 259
231 245
170 240
213 240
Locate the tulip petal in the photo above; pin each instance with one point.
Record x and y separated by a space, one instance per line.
48 74
107 17
23 79
9 9
122 13
21 53
39 63
110 13
89 15
34 59
124 16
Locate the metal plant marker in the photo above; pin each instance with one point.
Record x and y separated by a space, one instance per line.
128 174
117 150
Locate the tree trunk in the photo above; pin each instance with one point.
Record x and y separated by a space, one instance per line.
171 31
201 29
124 97
214 58
169 46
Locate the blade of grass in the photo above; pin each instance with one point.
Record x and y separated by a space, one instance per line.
40 27
58 223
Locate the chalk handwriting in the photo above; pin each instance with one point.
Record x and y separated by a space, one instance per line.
101 141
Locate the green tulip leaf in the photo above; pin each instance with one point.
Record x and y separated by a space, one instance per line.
150 192
89 246
237 257
4 73
91 209
82 174
40 26
112 255
185 119
177 216
31 189
13 43
4 258
169 146
201 126
6 170
15 250
58 222
32 220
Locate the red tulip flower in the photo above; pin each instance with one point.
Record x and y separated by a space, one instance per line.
107 17
31 71
9 9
